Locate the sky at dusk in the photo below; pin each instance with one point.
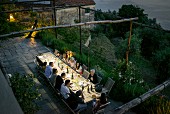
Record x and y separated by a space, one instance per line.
159 9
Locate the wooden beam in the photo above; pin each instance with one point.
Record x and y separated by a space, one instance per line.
13 11
16 2
71 25
148 26
122 109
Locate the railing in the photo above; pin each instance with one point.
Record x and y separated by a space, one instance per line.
122 109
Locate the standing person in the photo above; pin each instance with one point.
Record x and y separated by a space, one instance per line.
33 27
65 91
49 70
59 81
102 100
93 77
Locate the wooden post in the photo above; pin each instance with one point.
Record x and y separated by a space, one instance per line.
129 39
55 20
89 57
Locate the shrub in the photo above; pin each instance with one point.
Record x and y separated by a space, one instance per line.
25 92
162 106
128 82
70 34
135 45
161 60
154 105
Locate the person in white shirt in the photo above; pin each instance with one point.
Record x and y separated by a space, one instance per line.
65 91
49 70
72 62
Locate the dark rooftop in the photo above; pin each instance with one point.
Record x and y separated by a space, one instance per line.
74 2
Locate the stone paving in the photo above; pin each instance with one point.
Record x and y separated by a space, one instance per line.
17 55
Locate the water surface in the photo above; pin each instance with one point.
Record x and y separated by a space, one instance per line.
159 9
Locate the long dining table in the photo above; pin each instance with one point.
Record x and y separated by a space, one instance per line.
77 80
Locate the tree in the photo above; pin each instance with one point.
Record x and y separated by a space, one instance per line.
6 25
129 11
4 28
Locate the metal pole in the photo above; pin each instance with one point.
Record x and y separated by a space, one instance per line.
80 29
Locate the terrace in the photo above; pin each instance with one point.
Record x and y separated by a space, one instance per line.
18 54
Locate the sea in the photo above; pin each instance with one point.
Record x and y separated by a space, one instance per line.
159 9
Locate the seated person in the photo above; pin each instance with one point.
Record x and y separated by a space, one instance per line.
96 104
59 81
60 56
65 57
76 101
53 77
72 62
65 91
44 66
57 53
79 68
93 77
49 70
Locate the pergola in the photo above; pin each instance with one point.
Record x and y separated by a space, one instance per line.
124 107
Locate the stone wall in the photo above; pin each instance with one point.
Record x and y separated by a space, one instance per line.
45 18
63 16
71 15
8 102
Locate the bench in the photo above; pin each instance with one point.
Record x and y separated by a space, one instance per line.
56 91
102 108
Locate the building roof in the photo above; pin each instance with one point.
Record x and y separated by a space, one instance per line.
59 3
74 2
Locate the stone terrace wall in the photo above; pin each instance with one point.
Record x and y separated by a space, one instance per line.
8 102
71 15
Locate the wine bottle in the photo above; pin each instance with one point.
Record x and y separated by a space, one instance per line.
91 88
72 77
88 89
58 64
67 69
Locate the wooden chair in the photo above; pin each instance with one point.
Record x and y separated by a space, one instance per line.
38 64
108 86
99 79
102 108
68 106
84 67
85 74
48 83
